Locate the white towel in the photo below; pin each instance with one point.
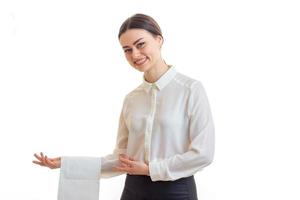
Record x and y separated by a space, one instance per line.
79 178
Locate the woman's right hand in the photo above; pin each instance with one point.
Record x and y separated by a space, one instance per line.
43 160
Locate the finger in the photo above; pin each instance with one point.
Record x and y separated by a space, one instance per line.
123 156
126 157
123 164
127 161
49 163
123 169
131 159
38 163
48 160
43 158
37 157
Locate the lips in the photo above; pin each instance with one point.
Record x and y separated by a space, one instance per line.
140 61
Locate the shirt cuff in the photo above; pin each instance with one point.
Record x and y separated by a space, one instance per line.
79 178
157 170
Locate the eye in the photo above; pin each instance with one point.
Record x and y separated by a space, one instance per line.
141 44
127 50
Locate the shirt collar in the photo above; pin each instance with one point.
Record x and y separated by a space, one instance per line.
162 81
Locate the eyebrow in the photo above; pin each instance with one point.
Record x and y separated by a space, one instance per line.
133 43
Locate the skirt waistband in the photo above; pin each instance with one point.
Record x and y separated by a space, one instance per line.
143 186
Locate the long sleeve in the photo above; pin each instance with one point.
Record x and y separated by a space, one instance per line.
201 134
111 160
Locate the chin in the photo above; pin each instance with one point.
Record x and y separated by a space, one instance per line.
142 68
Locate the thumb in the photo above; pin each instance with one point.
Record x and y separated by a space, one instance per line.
130 158
126 157
123 156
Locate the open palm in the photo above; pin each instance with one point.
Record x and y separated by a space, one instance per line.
43 160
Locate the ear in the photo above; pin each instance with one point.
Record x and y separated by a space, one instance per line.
160 40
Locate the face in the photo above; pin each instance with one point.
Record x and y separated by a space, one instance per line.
141 48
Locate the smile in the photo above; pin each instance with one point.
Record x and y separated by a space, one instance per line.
140 61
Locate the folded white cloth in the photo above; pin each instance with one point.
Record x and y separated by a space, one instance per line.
79 178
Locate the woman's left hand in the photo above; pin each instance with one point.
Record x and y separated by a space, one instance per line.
131 166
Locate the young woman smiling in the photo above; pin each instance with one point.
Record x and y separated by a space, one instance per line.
166 130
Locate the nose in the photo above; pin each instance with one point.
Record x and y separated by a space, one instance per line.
135 53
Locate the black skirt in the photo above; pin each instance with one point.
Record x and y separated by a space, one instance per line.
139 187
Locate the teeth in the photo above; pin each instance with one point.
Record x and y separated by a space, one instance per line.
140 61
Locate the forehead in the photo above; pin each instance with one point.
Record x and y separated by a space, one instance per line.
131 35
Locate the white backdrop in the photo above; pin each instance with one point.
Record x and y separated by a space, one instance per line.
63 77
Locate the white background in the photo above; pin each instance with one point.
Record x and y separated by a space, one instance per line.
63 77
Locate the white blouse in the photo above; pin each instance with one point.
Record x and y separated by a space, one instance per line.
168 125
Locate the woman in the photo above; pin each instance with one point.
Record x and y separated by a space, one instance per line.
166 131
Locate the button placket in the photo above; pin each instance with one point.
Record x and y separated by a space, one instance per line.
150 121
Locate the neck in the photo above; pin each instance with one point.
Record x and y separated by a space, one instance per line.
156 72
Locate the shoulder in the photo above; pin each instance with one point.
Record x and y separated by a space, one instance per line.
136 91
188 82
193 87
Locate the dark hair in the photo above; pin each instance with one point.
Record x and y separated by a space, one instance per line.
141 21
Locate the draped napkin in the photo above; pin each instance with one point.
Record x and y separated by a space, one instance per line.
79 178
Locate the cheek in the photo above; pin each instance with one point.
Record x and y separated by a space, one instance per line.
152 51
128 58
